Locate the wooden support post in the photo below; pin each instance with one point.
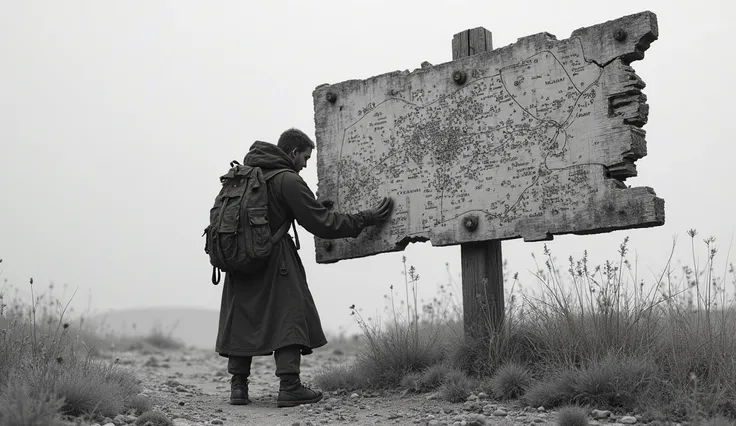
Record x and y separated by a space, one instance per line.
482 262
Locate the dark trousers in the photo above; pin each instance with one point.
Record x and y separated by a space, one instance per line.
287 359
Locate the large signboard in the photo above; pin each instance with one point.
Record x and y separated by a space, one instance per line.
530 140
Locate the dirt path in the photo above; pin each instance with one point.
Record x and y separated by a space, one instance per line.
192 387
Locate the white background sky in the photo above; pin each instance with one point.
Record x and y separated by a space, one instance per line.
116 119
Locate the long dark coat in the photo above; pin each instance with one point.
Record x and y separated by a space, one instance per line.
274 308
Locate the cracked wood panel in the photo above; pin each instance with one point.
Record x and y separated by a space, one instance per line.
531 140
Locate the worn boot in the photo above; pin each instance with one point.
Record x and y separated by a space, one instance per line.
239 390
292 393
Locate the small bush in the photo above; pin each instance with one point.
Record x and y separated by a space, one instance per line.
139 403
413 382
614 382
393 352
341 377
510 381
93 387
610 382
430 378
433 376
551 392
572 416
18 406
471 357
456 387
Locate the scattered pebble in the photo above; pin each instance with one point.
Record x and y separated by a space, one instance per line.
600 414
500 413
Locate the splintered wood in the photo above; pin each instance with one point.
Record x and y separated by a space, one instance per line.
531 140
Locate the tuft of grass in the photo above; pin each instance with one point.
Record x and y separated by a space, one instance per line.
435 375
510 381
611 382
140 404
572 415
424 381
471 357
20 406
48 365
552 392
413 382
408 343
340 376
615 382
456 386
153 418
96 387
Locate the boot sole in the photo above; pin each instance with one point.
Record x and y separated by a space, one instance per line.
295 403
239 401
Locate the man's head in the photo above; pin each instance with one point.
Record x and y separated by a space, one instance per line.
297 145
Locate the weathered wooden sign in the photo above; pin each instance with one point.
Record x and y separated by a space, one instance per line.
530 140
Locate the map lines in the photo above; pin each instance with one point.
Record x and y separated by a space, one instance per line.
511 125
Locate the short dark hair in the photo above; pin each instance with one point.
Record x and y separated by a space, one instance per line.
294 138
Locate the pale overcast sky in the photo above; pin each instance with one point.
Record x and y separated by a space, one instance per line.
117 118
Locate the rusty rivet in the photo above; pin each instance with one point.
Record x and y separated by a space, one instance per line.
470 223
327 245
459 77
620 35
331 97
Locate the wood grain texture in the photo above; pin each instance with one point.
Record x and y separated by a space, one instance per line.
481 262
537 141
471 42
482 277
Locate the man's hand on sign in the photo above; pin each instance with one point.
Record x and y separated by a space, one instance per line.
380 213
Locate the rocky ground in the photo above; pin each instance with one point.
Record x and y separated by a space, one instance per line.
192 388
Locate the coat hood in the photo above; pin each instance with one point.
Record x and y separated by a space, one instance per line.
267 156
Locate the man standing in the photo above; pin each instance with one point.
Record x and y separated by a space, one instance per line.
272 311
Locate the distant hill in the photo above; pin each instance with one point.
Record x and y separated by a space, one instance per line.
193 326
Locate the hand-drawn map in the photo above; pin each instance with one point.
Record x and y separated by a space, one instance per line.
529 140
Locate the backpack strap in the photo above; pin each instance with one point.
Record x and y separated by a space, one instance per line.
281 232
268 175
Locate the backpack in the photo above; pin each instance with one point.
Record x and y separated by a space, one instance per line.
238 238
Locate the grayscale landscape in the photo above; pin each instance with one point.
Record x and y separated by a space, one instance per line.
559 249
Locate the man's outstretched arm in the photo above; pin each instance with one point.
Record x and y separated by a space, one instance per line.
319 220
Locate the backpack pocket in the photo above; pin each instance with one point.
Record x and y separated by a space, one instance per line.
260 231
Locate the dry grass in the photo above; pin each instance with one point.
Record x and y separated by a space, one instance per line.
341 376
456 386
49 368
21 406
510 381
411 343
589 335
